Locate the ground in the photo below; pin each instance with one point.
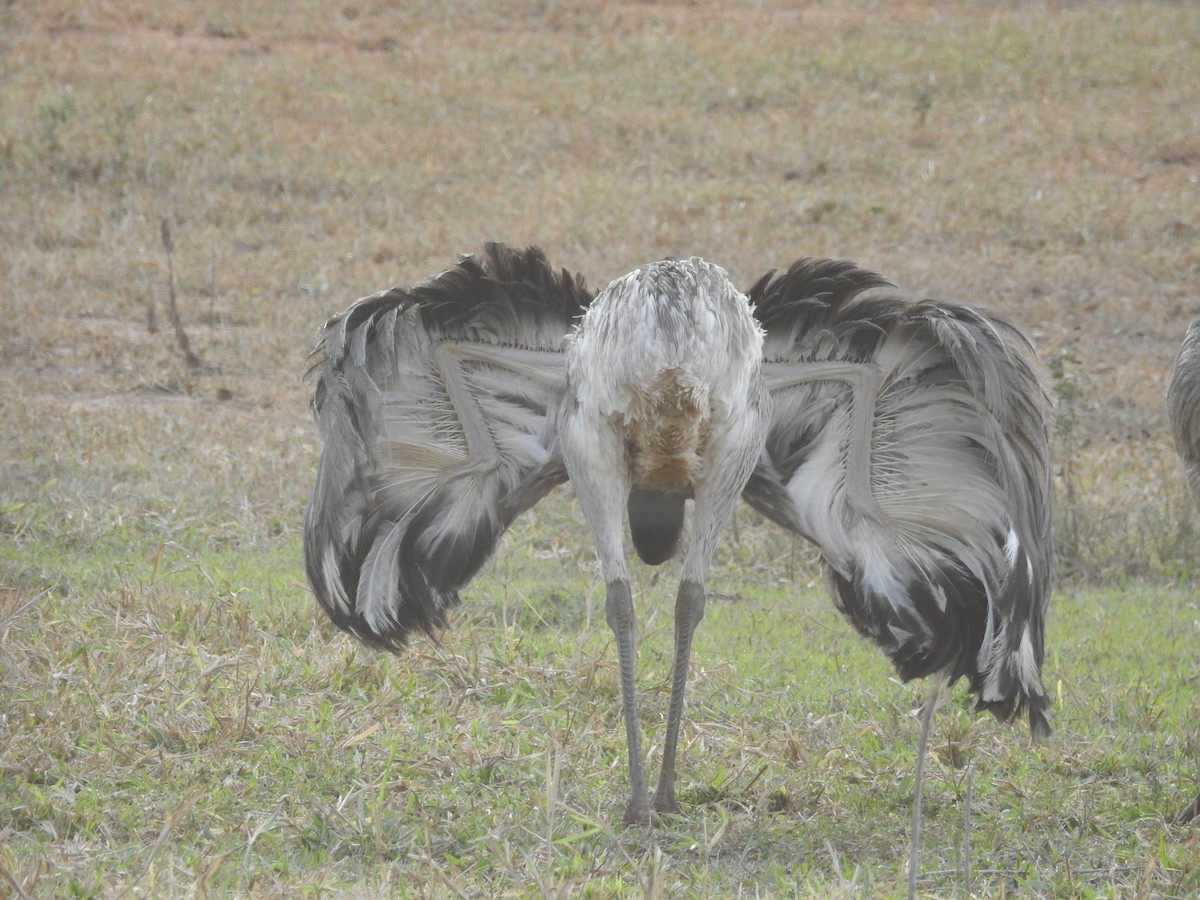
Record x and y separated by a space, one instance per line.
174 717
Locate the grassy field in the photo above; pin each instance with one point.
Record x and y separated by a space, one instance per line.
176 718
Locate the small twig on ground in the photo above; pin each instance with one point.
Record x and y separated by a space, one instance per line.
151 313
24 606
194 362
1013 874
13 883
177 815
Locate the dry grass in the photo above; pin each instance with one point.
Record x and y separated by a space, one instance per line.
172 717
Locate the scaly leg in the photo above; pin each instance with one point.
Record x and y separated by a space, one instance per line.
715 502
618 610
595 461
689 610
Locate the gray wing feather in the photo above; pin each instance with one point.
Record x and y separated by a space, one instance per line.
437 407
937 537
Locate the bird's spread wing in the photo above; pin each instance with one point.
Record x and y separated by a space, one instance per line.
908 442
437 408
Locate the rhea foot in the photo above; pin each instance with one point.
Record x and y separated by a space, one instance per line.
638 812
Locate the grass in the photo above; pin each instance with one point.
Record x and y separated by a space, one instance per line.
174 725
175 717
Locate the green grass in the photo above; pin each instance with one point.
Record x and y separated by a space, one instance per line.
179 718
176 717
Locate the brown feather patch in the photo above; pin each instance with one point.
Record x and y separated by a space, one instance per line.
666 431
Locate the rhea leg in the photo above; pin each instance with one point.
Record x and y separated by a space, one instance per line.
618 612
689 610
618 609
714 506
598 473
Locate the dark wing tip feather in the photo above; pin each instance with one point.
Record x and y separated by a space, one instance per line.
817 297
1033 706
811 282
504 296
1039 727
495 295
1013 708
336 556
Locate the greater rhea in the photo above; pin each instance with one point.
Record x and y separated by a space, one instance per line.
1183 406
906 439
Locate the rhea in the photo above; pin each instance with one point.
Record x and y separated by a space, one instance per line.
905 438
1183 406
